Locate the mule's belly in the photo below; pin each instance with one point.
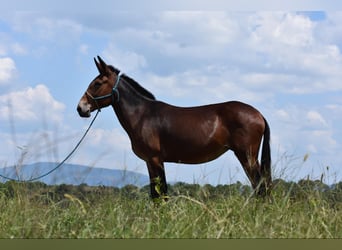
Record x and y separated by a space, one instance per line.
193 155
202 141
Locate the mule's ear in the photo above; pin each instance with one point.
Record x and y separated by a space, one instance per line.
103 64
103 68
98 66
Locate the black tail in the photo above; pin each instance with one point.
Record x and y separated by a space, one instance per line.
265 167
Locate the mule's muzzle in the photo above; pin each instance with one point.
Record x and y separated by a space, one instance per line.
83 114
83 109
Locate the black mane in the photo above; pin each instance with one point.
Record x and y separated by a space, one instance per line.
134 84
138 87
115 70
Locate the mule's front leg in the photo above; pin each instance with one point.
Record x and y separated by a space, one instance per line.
157 178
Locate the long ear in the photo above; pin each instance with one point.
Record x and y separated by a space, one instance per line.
98 66
103 64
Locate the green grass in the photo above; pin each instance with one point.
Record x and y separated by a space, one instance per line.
293 211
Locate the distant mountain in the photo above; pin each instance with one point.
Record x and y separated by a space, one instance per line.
76 174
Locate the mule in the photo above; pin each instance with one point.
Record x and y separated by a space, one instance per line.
160 132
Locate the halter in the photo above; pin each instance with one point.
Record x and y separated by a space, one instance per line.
115 89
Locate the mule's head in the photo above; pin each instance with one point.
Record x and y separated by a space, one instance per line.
100 91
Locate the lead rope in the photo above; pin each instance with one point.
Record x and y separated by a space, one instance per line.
62 162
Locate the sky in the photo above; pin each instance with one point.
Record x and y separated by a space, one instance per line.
287 64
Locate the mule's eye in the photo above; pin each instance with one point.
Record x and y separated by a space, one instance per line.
97 84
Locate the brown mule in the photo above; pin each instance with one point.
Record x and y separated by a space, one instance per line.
160 132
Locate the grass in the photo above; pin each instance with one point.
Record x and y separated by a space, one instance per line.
54 212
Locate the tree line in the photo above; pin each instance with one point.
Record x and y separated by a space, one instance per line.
294 190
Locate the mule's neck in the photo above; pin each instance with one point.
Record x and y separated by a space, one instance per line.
129 106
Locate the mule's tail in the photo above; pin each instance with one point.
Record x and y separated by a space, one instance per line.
265 166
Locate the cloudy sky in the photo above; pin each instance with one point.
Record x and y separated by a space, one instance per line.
287 64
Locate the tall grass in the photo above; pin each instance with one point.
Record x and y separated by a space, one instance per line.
117 214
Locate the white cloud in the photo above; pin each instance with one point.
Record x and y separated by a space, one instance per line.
330 29
277 51
7 70
272 52
83 49
9 45
335 108
30 104
18 49
274 29
43 27
300 130
282 115
190 31
127 61
109 148
2 50
288 43
315 119
113 139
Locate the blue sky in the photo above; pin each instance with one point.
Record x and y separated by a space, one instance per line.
287 64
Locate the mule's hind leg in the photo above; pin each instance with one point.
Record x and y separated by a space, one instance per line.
251 166
158 184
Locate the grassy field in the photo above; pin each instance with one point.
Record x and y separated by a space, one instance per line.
296 210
